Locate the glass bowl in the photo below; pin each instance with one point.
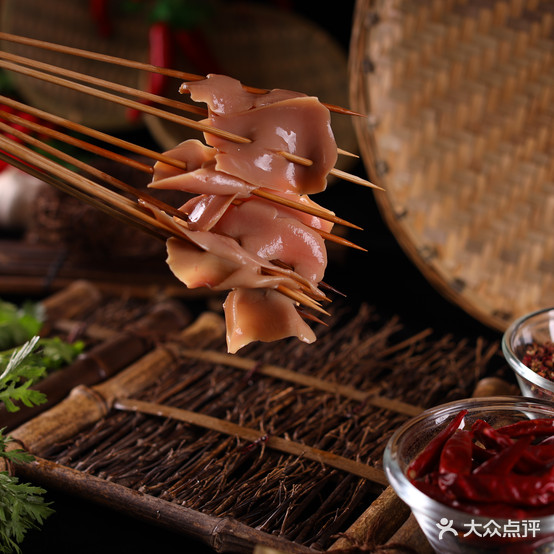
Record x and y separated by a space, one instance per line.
448 529
536 327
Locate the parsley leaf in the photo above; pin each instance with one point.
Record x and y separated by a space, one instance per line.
20 368
22 508
25 358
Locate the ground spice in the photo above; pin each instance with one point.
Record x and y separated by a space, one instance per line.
539 357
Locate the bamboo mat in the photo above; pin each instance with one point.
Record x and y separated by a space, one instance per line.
278 447
459 97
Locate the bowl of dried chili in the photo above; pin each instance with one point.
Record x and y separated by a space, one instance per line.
528 346
478 474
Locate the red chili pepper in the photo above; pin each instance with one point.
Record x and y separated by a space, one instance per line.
481 454
160 55
504 461
497 441
513 489
100 15
456 455
507 478
489 436
197 51
534 427
424 462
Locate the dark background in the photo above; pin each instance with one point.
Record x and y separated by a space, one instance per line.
383 277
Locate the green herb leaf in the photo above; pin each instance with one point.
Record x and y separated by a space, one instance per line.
22 367
18 324
15 454
22 507
25 358
20 372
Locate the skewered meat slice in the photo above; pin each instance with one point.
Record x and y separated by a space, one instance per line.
262 315
276 122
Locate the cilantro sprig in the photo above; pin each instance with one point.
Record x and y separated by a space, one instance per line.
22 506
25 358
22 367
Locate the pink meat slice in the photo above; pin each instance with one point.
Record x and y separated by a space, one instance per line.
225 95
205 210
302 216
299 126
261 229
262 315
205 180
275 122
193 152
199 268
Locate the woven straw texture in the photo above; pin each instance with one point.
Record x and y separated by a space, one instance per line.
460 102
70 23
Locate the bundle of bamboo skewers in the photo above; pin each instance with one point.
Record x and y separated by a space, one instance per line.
38 157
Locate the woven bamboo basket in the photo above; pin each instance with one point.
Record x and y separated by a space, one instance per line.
459 97
275 449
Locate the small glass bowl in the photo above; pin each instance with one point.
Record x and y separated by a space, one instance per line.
536 327
447 529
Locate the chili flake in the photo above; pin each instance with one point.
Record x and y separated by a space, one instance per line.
539 357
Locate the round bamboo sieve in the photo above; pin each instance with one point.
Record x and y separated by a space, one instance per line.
460 102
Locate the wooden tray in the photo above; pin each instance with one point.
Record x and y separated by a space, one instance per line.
275 447
459 97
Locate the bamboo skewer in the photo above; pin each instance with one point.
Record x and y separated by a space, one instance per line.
133 104
321 213
122 159
116 205
123 89
184 76
79 163
28 71
93 133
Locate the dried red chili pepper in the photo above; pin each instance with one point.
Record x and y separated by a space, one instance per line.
99 12
504 461
497 441
431 454
161 55
534 427
456 455
489 436
513 489
485 471
196 50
